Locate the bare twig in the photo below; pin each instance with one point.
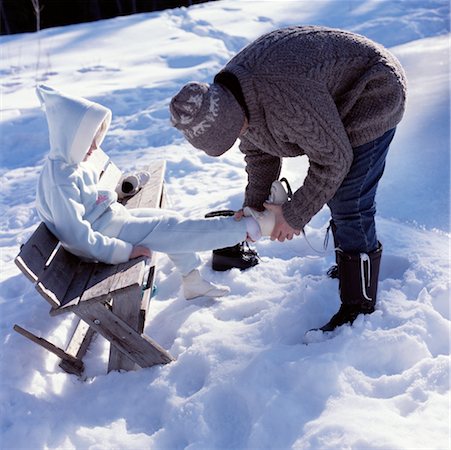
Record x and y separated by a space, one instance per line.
37 12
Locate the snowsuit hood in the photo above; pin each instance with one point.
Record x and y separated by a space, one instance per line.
73 124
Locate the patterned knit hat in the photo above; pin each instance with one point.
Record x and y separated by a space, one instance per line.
208 115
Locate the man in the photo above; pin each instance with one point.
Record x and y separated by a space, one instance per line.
332 95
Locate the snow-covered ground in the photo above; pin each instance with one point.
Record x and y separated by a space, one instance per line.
242 379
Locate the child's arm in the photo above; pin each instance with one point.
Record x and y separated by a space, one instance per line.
77 233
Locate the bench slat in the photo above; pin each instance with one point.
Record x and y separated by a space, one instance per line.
57 277
78 285
99 160
35 252
110 177
129 273
98 282
150 196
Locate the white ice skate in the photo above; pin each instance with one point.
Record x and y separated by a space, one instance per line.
130 184
267 219
278 194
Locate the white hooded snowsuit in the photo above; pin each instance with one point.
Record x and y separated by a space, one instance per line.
90 222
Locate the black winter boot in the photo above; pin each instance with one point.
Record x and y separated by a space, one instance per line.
358 276
241 255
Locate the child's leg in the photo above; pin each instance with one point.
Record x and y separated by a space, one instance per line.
170 233
185 262
153 212
167 232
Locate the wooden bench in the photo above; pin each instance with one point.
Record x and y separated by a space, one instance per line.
111 300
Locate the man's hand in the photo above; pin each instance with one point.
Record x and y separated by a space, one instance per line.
281 230
140 251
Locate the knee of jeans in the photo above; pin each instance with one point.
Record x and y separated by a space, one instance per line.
341 210
365 214
338 205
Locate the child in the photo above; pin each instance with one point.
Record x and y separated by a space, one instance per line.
92 224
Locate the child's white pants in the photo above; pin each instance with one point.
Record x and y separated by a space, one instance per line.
168 232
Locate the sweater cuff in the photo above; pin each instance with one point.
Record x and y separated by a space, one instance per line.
255 200
121 253
294 218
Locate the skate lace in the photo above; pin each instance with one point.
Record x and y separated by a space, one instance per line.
320 252
287 184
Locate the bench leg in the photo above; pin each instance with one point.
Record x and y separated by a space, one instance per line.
139 348
73 365
132 307
127 306
78 344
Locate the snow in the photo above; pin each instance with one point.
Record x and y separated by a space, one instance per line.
242 377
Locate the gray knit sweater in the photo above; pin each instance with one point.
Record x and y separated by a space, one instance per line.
318 92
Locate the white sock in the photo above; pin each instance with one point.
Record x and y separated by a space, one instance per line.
252 228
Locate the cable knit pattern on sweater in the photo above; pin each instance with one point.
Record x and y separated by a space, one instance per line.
318 92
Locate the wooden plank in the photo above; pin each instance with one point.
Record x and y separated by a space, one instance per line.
107 279
78 345
96 282
35 252
127 306
99 160
108 172
100 282
150 195
129 273
125 291
147 295
110 177
164 199
139 348
75 289
55 280
151 198
73 362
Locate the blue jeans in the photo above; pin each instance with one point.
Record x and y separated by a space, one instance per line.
353 206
